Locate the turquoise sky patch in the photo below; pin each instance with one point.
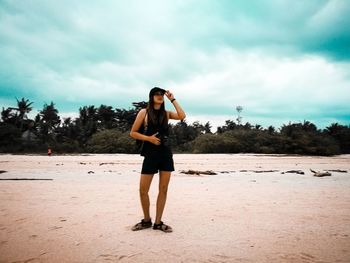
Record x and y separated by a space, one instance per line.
281 60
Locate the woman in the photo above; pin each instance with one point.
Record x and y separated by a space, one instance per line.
157 153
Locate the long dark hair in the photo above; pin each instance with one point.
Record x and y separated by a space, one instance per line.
157 117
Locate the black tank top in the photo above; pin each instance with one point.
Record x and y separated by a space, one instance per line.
163 133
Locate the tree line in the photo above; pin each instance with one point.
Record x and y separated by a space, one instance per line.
105 129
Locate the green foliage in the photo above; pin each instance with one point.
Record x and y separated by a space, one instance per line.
67 146
213 143
304 138
106 130
341 134
111 141
48 121
10 138
291 141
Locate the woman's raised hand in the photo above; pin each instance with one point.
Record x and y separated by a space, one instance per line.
169 95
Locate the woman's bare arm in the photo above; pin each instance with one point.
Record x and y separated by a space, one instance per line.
136 126
179 114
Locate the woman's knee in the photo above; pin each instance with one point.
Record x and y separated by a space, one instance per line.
145 183
143 190
163 189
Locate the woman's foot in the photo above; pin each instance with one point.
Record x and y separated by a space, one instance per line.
163 227
142 225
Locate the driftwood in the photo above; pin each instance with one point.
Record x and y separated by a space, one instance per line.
294 171
2 171
266 171
198 172
106 163
338 171
29 179
259 171
319 174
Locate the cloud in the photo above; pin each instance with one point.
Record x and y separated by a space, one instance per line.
215 54
270 86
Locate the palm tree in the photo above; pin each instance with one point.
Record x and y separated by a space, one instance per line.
271 129
139 105
23 107
309 126
334 129
258 127
8 116
86 123
125 118
49 118
67 122
106 116
207 127
87 114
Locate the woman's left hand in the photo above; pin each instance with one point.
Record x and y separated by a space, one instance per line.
169 95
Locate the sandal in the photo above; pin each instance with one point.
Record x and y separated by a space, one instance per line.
163 227
142 225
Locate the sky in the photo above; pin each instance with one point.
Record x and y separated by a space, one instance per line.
282 61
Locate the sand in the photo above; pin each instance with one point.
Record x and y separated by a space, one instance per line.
234 216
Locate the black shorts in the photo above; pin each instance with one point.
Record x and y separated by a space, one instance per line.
158 162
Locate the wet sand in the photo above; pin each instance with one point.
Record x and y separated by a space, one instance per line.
244 213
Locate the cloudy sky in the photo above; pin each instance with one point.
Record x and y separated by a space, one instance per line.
280 60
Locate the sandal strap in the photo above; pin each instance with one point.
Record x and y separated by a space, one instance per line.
145 223
160 226
142 225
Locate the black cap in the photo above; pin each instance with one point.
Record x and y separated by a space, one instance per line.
156 89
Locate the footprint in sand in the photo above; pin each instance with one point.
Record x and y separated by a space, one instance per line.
302 256
307 257
20 219
3 242
113 258
222 257
31 259
55 227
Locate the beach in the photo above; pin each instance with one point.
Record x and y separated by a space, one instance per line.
251 210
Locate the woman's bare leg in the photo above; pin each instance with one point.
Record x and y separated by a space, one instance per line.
145 183
164 178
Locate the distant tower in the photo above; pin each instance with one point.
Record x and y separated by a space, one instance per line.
239 118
